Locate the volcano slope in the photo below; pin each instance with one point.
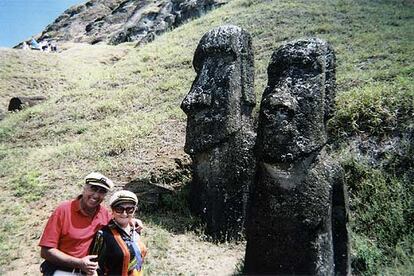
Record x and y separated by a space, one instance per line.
115 109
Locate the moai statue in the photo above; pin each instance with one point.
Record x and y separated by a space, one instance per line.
220 135
293 208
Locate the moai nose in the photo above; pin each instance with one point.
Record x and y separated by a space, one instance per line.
196 99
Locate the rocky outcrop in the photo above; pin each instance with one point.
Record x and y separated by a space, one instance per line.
118 21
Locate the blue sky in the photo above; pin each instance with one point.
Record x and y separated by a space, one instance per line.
21 19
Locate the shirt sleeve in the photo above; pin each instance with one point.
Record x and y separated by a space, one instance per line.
53 229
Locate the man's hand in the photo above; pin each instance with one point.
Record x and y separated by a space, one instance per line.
54 255
87 265
137 224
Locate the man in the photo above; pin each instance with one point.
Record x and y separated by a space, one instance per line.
70 229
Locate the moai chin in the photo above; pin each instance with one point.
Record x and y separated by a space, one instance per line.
219 134
297 213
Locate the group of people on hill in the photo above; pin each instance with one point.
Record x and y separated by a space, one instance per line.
82 237
46 46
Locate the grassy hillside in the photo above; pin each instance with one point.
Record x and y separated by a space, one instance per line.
115 109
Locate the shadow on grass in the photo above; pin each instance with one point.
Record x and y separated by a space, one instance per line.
163 198
173 222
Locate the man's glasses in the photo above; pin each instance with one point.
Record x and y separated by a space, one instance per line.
120 209
97 189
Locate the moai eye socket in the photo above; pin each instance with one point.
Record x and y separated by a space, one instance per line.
277 110
284 112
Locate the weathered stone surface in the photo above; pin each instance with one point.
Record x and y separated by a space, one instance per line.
298 195
219 134
117 21
145 24
18 103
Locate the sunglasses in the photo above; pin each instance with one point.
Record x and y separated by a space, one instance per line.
120 209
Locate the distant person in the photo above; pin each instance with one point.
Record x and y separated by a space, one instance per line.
44 46
25 46
53 46
70 229
118 245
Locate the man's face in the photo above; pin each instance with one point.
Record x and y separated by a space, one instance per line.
93 195
213 103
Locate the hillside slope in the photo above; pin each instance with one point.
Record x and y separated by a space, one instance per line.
115 109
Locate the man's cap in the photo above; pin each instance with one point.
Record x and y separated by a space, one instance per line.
123 196
100 180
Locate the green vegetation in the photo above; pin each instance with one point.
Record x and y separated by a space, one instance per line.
382 215
115 109
28 186
377 109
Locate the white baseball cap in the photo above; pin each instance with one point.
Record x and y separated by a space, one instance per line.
100 180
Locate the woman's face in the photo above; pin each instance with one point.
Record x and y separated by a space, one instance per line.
123 213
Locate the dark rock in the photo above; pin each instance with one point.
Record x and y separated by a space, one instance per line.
149 194
298 198
219 134
156 192
18 103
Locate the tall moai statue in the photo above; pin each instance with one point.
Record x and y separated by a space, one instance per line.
297 212
220 135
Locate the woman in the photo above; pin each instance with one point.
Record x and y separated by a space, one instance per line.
118 245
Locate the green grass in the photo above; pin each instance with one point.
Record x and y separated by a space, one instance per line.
28 186
116 109
377 109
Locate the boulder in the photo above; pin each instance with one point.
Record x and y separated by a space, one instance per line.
18 103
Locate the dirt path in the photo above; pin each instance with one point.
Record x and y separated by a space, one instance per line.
190 255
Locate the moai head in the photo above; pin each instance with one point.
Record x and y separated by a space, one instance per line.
297 102
222 94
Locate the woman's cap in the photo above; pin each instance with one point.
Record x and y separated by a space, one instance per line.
123 196
97 179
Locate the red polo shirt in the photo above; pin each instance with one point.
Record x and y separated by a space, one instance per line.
72 232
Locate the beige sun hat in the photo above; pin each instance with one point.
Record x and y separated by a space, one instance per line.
123 196
98 179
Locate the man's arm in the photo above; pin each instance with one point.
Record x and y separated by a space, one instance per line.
137 224
58 257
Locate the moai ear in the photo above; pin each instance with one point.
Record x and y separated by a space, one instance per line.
247 70
198 57
330 82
